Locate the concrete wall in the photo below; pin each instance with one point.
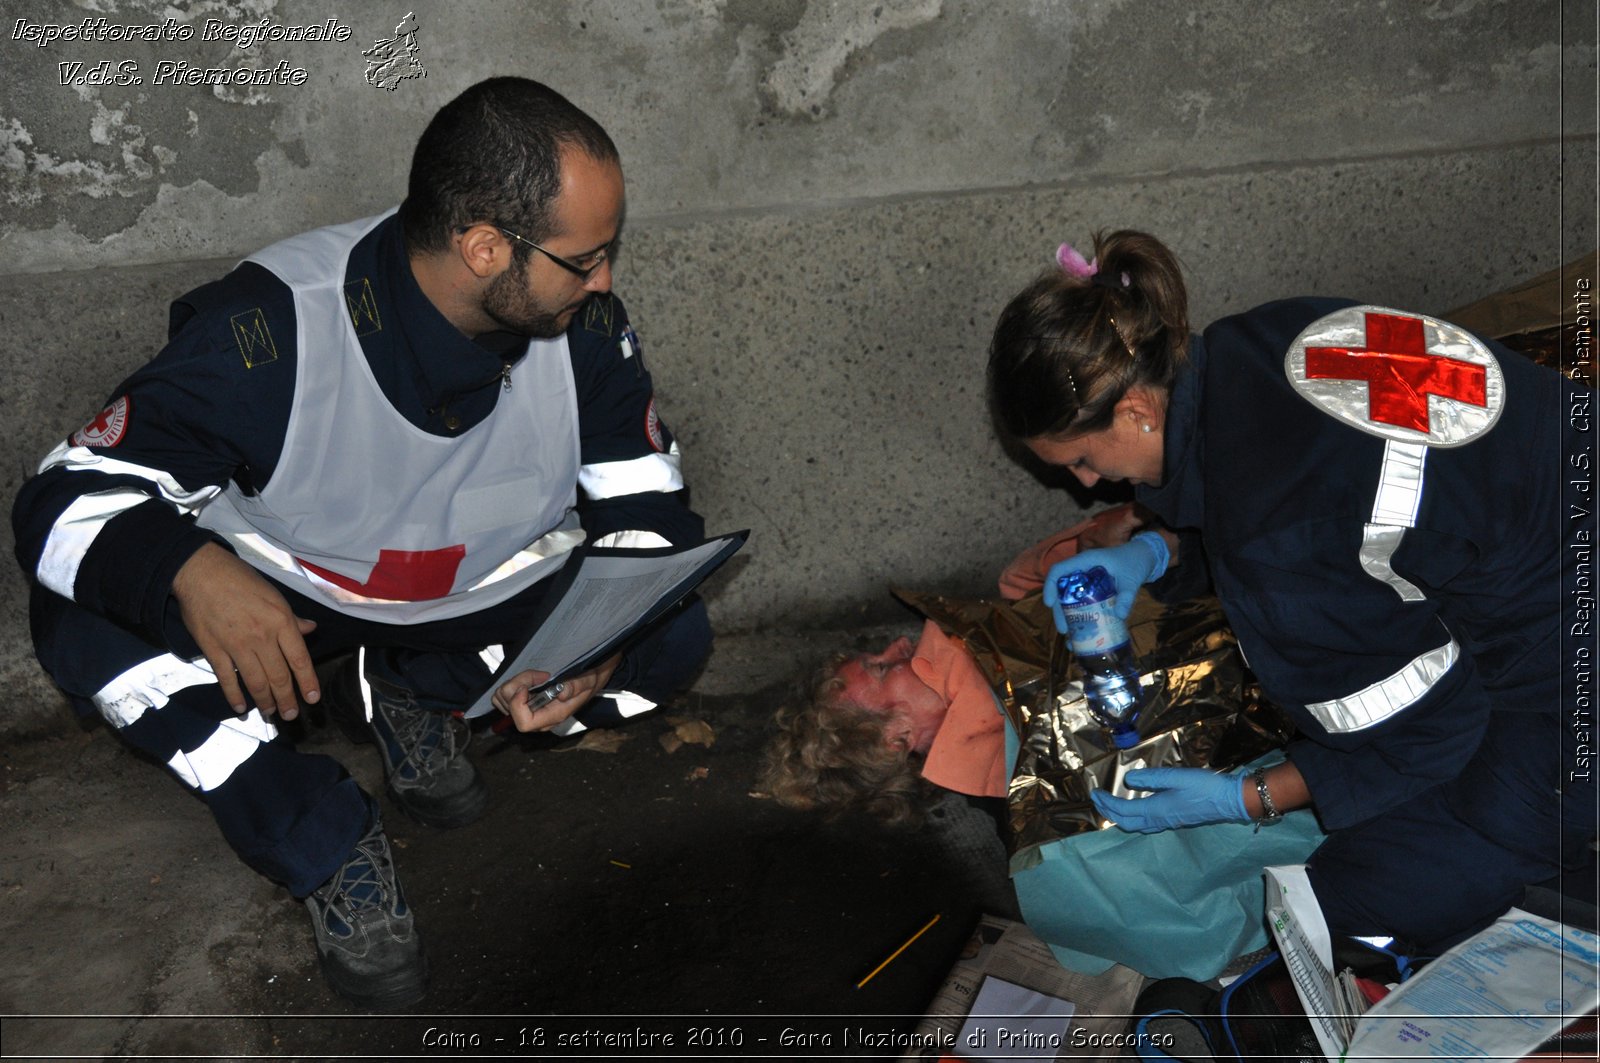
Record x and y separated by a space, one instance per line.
828 204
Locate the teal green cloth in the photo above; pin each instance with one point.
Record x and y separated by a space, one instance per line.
1181 903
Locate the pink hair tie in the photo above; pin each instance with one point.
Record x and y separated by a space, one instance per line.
1075 265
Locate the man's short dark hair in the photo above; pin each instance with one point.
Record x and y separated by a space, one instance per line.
494 154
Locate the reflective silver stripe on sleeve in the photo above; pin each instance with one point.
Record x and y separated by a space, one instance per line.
1383 699
1393 511
653 472
75 530
77 459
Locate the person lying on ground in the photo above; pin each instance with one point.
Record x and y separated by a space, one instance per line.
891 735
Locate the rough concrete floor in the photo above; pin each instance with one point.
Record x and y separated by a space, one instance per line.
602 886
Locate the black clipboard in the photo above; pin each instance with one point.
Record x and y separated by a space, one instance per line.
577 625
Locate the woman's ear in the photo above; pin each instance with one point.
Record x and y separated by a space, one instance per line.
1144 406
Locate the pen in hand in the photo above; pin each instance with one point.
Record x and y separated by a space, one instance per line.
535 702
545 696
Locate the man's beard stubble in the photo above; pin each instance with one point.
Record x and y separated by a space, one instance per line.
508 303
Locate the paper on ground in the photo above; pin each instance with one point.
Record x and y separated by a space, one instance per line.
1008 1021
1006 949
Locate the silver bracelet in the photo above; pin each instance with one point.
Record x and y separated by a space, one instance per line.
1269 811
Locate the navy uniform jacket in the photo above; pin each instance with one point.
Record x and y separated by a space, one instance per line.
1282 492
214 405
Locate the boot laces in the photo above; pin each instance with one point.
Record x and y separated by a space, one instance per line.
427 741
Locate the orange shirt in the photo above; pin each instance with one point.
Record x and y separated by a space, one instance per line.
1025 574
968 754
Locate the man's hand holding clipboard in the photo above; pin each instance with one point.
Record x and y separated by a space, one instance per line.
536 704
599 600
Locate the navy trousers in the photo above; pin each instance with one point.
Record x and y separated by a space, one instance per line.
294 816
1448 863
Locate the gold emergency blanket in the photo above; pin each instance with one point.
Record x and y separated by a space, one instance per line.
1202 708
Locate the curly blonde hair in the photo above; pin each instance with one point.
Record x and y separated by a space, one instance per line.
832 756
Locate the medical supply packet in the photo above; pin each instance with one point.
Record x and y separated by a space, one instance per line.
1499 994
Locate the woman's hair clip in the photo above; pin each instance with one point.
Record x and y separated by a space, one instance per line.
1123 336
1075 265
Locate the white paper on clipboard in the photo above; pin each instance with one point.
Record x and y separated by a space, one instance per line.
606 597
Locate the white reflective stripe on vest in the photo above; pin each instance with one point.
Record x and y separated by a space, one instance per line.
1381 700
653 472
413 526
258 551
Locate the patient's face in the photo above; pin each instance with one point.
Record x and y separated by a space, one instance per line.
884 682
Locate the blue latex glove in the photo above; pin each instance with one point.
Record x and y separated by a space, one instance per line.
1133 564
1184 797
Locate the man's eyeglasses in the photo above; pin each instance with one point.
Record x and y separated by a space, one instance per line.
580 270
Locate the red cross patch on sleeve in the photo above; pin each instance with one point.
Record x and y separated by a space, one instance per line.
652 427
1400 376
108 428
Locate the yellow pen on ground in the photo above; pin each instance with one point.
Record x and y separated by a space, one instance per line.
925 928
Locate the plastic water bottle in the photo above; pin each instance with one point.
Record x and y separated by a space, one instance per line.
1100 640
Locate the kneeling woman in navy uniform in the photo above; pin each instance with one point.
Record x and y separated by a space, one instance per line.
1376 498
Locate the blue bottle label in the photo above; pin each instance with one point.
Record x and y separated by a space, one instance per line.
1094 629
1088 601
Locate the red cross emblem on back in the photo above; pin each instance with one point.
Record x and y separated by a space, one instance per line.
1399 372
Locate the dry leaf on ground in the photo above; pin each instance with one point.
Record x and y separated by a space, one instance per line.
694 732
597 742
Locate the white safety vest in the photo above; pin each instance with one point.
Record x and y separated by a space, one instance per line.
380 519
